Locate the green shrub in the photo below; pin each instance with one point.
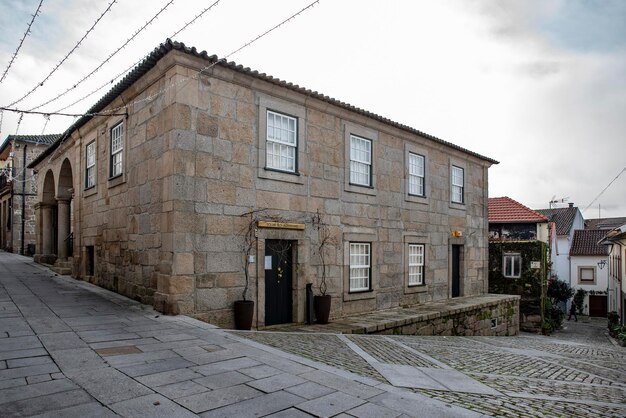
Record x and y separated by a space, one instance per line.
553 318
613 318
579 299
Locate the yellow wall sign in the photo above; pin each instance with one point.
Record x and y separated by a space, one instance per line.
280 225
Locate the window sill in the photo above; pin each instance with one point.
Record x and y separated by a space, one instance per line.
360 189
359 295
117 180
279 175
90 191
458 206
423 200
416 288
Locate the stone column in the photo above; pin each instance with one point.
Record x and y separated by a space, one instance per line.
46 229
63 209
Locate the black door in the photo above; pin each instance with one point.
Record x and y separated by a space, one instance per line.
456 270
278 270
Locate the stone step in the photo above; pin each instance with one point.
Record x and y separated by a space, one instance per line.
63 271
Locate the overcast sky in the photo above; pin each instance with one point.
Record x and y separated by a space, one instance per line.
538 85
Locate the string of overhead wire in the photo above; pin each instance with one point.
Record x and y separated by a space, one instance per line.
41 83
224 60
21 42
47 115
185 26
95 70
187 79
112 112
605 189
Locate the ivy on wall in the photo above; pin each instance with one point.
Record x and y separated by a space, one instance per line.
531 285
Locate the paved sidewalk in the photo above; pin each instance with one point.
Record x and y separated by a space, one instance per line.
68 348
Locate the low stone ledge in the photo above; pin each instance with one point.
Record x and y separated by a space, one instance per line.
469 315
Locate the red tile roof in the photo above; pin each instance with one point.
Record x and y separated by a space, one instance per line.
507 210
585 242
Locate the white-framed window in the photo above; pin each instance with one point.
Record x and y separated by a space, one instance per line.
117 150
416 264
512 263
360 266
90 166
360 161
586 275
282 142
416 174
457 181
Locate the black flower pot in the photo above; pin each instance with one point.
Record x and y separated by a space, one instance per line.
321 306
244 311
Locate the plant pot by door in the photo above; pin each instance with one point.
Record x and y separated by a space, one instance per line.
321 306
244 311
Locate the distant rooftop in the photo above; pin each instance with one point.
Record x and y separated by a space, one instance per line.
31 139
604 223
506 210
586 241
562 217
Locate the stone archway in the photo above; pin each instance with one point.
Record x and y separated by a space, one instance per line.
63 198
46 221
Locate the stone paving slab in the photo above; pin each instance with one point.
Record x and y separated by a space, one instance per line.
115 356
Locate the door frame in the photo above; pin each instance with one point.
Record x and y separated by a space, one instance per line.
301 270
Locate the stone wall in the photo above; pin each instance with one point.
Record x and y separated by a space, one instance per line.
498 319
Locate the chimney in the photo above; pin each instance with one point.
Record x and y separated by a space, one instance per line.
571 205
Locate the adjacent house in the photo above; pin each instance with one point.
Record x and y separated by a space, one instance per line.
160 184
566 221
18 191
605 223
518 257
615 241
589 270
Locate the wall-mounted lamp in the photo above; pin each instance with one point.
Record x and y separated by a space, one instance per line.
601 264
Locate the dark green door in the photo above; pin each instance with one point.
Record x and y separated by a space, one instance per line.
278 272
456 270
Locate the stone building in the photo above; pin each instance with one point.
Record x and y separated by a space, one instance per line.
18 189
188 155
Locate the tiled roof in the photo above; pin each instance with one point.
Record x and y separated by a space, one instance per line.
170 45
604 223
562 217
585 242
507 210
32 139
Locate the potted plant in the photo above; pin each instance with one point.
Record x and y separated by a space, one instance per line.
244 308
321 302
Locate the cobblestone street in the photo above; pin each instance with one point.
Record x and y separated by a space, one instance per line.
68 348
576 372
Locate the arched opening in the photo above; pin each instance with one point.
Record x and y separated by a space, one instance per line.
65 191
47 220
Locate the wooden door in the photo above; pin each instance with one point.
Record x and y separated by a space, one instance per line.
278 282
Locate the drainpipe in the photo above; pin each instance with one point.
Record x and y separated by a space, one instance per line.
23 196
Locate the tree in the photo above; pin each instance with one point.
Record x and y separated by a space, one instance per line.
324 239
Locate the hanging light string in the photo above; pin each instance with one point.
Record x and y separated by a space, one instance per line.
41 83
47 117
114 111
95 70
108 83
186 79
74 115
21 42
19 122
